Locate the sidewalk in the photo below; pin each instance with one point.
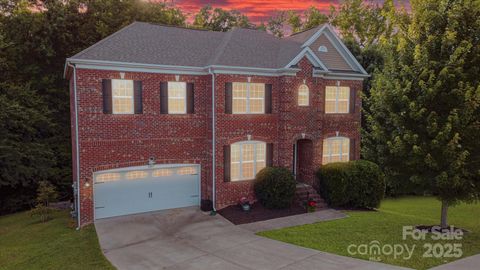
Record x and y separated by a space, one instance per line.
469 263
296 220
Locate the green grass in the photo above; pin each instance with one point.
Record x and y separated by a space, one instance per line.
385 226
26 243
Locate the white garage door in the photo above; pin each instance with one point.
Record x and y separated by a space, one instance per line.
141 189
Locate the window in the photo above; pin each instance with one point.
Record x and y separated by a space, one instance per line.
247 159
322 49
336 149
136 175
177 97
107 177
122 96
337 99
303 95
162 172
187 170
248 98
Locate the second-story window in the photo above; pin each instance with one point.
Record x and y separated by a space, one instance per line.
248 98
303 95
122 97
177 97
337 99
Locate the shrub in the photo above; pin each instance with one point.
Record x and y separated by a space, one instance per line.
275 187
353 184
46 193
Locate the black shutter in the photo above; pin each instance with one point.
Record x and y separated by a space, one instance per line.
228 97
268 98
352 100
269 154
352 149
164 98
137 97
107 96
226 163
190 98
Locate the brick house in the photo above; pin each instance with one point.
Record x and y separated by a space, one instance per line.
151 103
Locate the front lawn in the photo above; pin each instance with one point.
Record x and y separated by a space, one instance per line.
385 226
26 243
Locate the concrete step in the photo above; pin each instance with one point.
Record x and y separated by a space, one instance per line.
305 192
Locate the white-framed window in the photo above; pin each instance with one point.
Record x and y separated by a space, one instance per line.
122 97
337 99
136 175
303 95
162 172
336 149
248 98
247 158
187 170
177 97
107 177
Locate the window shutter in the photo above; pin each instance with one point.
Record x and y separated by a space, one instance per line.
137 97
226 163
352 100
107 96
228 97
164 98
352 149
269 156
190 98
268 98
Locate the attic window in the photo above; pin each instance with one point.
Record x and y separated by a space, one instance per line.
322 49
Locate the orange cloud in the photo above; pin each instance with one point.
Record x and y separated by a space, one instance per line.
256 10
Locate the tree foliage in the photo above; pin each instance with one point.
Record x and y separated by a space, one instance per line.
35 39
220 20
425 102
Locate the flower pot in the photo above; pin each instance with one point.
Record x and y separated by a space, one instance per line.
246 207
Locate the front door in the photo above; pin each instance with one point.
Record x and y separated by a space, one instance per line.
303 160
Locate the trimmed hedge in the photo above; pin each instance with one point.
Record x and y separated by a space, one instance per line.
275 187
353 184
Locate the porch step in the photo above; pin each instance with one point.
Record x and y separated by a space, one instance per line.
305 192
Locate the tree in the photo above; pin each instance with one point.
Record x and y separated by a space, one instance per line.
275 24
425 114
262 27
313 18
364 23
35 39
220 20
46 193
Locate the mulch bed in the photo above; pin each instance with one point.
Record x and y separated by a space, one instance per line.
236 215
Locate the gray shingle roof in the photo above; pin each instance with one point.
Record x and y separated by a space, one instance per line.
146 43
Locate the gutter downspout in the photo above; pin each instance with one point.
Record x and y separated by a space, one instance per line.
214 210
77 148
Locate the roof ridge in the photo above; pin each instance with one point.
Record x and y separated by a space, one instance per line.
104 39
176 26
305 30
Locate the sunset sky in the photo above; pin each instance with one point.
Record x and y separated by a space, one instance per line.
257 10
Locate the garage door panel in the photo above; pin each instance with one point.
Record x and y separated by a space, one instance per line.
122 197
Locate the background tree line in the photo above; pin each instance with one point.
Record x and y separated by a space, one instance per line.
420 105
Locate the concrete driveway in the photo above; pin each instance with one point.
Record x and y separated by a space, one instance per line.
187 238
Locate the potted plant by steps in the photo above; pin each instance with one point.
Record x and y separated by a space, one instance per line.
245 204
311 205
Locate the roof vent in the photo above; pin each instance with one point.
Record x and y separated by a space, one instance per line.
322 49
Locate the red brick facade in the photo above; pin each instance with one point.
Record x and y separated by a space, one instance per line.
109 141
